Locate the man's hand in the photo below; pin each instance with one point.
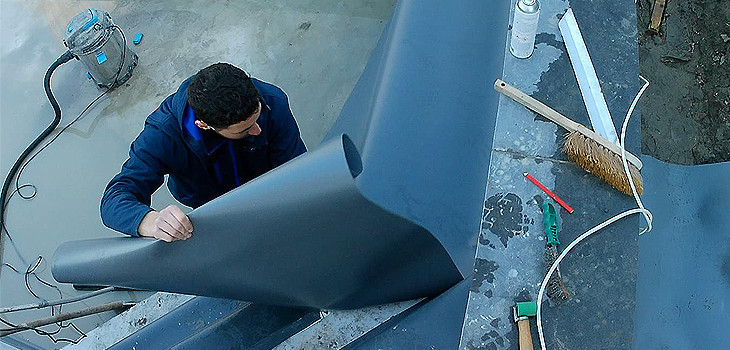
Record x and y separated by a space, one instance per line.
169 224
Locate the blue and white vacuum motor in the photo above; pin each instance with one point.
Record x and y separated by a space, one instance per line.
97 42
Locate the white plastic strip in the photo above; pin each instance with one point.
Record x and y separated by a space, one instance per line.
587 79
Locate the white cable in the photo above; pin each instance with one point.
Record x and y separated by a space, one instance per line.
563 254
647 215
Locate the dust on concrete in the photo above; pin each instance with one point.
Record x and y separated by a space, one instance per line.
685 113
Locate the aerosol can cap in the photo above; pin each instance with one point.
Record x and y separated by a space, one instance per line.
528 6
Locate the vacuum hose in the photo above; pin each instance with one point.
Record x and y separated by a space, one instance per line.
67 56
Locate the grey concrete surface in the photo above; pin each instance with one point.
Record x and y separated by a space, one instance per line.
132 320
601 272
315 50
511 213
338 328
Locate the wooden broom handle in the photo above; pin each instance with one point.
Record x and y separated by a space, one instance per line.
549 113
525 336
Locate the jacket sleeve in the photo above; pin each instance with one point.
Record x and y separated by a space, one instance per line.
128 195
285 142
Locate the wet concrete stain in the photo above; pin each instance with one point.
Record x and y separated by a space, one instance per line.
495 339
490 346
489 293
523 295
550 40
512 335
503 216
139 322
305 26
484 241
538 200
527 221
562 95
483 271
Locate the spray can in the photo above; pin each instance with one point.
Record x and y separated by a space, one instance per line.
524 28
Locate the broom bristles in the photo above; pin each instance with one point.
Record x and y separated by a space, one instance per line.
602 162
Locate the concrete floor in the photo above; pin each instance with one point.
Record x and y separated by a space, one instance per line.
315 50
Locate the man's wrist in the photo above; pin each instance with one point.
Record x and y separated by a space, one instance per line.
147 225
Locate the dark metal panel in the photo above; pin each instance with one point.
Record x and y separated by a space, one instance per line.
225 323
683 289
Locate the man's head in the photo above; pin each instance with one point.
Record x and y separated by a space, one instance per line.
224 100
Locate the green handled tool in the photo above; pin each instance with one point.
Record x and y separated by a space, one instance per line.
550 219
555 288
521 312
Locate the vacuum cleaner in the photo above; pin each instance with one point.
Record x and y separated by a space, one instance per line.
92 38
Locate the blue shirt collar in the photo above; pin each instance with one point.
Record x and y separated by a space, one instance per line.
211 141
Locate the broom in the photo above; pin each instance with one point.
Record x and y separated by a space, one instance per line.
583 146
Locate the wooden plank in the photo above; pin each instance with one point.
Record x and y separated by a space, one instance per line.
656 16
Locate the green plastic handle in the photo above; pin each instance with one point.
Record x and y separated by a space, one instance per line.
526 308
550 219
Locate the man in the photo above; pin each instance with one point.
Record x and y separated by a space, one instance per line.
218 131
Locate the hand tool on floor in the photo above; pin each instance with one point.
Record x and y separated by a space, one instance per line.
521 312
555 288
583 146
550 194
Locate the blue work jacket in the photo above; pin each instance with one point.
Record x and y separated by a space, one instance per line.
201 164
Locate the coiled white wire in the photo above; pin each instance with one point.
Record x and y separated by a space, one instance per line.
646 213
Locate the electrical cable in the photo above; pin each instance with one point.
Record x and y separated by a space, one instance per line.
17 179
57 302
17 168
67 56
124 54
647 214
116 305
50 335
31 268
31 271
18 187
640 210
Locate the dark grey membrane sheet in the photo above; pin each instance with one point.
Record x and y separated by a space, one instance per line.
401 221
683 287
436 324
301 235
423 115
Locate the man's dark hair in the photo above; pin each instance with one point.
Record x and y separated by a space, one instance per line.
222 95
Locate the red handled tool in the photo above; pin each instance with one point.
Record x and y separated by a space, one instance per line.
549 193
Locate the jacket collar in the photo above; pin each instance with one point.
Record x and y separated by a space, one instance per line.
205 143
211 141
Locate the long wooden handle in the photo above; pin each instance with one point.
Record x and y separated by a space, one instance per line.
549 113
525 337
